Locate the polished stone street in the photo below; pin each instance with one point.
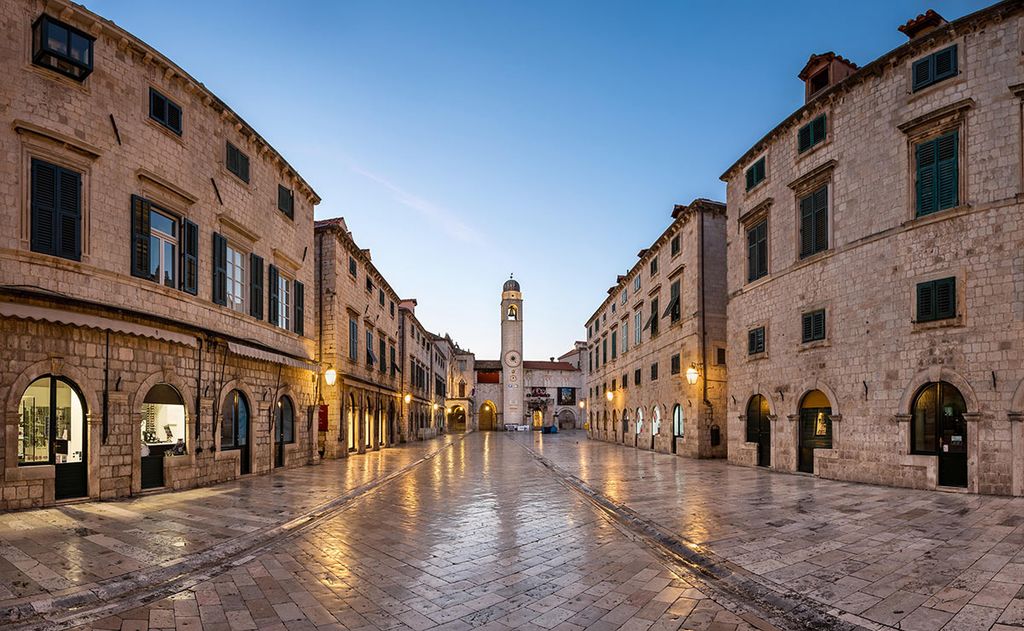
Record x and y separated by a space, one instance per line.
519 531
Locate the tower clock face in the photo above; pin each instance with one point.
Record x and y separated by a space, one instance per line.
512 358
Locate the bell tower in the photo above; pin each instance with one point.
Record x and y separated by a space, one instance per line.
512 410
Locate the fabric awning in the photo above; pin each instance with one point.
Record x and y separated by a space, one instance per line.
59 316
244 350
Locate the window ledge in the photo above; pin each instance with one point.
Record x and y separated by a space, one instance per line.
816 344
30 472
57 77
757 187
937 216
170 133
800 157
961 77
758 356
750 284
931 325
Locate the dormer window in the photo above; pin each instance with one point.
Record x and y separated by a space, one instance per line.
819 81
62 48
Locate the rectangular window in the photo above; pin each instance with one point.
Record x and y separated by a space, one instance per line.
380 297
674 367
382 345
675 245
61 48
934 68
936 300
391 307
163 247
654 317
284 302
757 251
625 336
654 371
234 279
369 284
814 222
636 284
165 111
654 266
813 326
674 310
811 134
394 366
624 297
938 174
604 351
286 201
352 269
756 173
615 344
369 348
720 356
625 380
637 330
636 377
56 209
237 163
613 385
755 341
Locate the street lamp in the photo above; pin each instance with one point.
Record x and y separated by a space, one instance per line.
331 376
608 395
582 405
408 398
692 374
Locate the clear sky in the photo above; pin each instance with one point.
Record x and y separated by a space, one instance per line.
466 140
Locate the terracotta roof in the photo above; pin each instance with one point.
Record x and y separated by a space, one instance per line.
928 19
548 366
827 57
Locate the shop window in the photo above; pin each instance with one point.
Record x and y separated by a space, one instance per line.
234 426
285 422
938 419
62 48
656 420
165 111
677 421
51 423
163 419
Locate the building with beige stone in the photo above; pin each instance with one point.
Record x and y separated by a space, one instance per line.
874 294
358 330
153 273
662 319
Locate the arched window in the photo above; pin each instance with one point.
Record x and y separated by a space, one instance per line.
234 427
351 417
163 418
615 420
51 423
639 420
938 419
677 421
285 420
513 313
757 416
625 423
656 420
815 428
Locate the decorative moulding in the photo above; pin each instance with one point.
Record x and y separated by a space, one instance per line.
813 176
237 228
953 110
74 144
167 186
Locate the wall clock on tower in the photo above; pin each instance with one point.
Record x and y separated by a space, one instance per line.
512 358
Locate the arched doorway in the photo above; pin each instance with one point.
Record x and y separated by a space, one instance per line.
351 419
457 419
615 421
392 426
639 425
655 423
815 428
487 416
234 429
566 418
163 426
677 424
381 419
625 425
939 428
538 419
368 424
51 430
284 428
759 429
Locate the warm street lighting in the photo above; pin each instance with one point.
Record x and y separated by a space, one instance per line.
408 398
608 395
582 405
331 376
691 375
436 406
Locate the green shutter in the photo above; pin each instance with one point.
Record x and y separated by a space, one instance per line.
272 295
299 300
818 130
922 73
927 177
189 257
807 327
821 219
256 286
807 226
140 237
69 215
220 255
804 138
944 64
945 298
44 206
947 171
925 301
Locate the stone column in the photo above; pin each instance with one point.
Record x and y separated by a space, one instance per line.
836 418
792 435
973 449
1017 445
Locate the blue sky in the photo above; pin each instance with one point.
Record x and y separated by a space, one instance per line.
466 140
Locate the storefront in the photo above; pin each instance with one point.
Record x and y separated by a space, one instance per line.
52 431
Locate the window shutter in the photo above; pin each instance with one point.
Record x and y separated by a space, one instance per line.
807 226
945 298
944 64
140 237
946 171
752 255
243 167
256 286
818 130
189 257
926 177
272 295
220 272
44 206
232 159
174 117
750 178
818 322
925 302
804 138
69 215
808 327
751 342
922 71
300 310
821 219
762 249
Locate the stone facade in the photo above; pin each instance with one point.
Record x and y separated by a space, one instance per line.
640 329
358 330
880 247
423 409
76 302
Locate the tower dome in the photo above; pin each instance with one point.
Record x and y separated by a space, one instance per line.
511 285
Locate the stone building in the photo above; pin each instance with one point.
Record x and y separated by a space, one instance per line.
358 331
511 391
656 347
153 269
462 415
422 407
874 295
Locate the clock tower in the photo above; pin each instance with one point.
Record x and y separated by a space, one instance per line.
513 411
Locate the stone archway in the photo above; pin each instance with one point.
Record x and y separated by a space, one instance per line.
488 416
566 418
457 419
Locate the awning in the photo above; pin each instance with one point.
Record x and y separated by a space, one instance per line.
58 316
245 350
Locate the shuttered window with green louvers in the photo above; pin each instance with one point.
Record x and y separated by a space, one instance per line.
813 326
56 211
756 173
814 222
937 174
936 300
757 251
933 68
811 134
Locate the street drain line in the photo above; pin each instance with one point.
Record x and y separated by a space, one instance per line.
737 589
137 589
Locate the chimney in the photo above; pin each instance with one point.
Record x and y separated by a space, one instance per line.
824 71
923 24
